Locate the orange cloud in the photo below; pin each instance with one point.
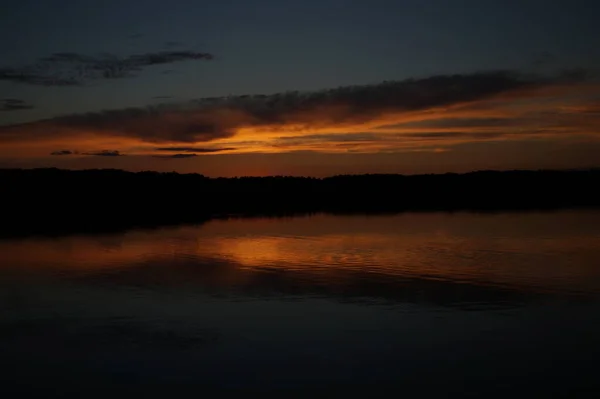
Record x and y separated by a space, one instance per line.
429 114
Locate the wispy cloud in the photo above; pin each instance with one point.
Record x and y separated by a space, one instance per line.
105 153
381 142
194 149
63 152
75 69
101 153
178 152
175 156
14 104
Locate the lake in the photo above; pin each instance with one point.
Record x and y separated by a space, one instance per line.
417 304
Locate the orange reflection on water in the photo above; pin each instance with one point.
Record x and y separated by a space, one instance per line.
544 251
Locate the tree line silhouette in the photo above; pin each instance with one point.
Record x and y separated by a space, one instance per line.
54 201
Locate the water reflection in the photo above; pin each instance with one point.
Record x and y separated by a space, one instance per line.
442 258
311 303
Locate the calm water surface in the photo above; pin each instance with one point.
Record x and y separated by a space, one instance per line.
451 305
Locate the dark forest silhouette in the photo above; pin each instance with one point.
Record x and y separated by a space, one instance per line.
55 201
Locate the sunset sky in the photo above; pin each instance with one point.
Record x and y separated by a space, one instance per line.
265 87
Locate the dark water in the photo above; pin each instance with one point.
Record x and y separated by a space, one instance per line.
445 305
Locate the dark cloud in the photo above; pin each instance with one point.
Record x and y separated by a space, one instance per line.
193 149
105 153
175 156
74 69
219 117
165 57
14 104
161 97
63 152
151 124
36 76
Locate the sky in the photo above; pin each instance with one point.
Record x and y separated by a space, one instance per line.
318 87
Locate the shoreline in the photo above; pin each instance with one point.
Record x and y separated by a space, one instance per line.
51 202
